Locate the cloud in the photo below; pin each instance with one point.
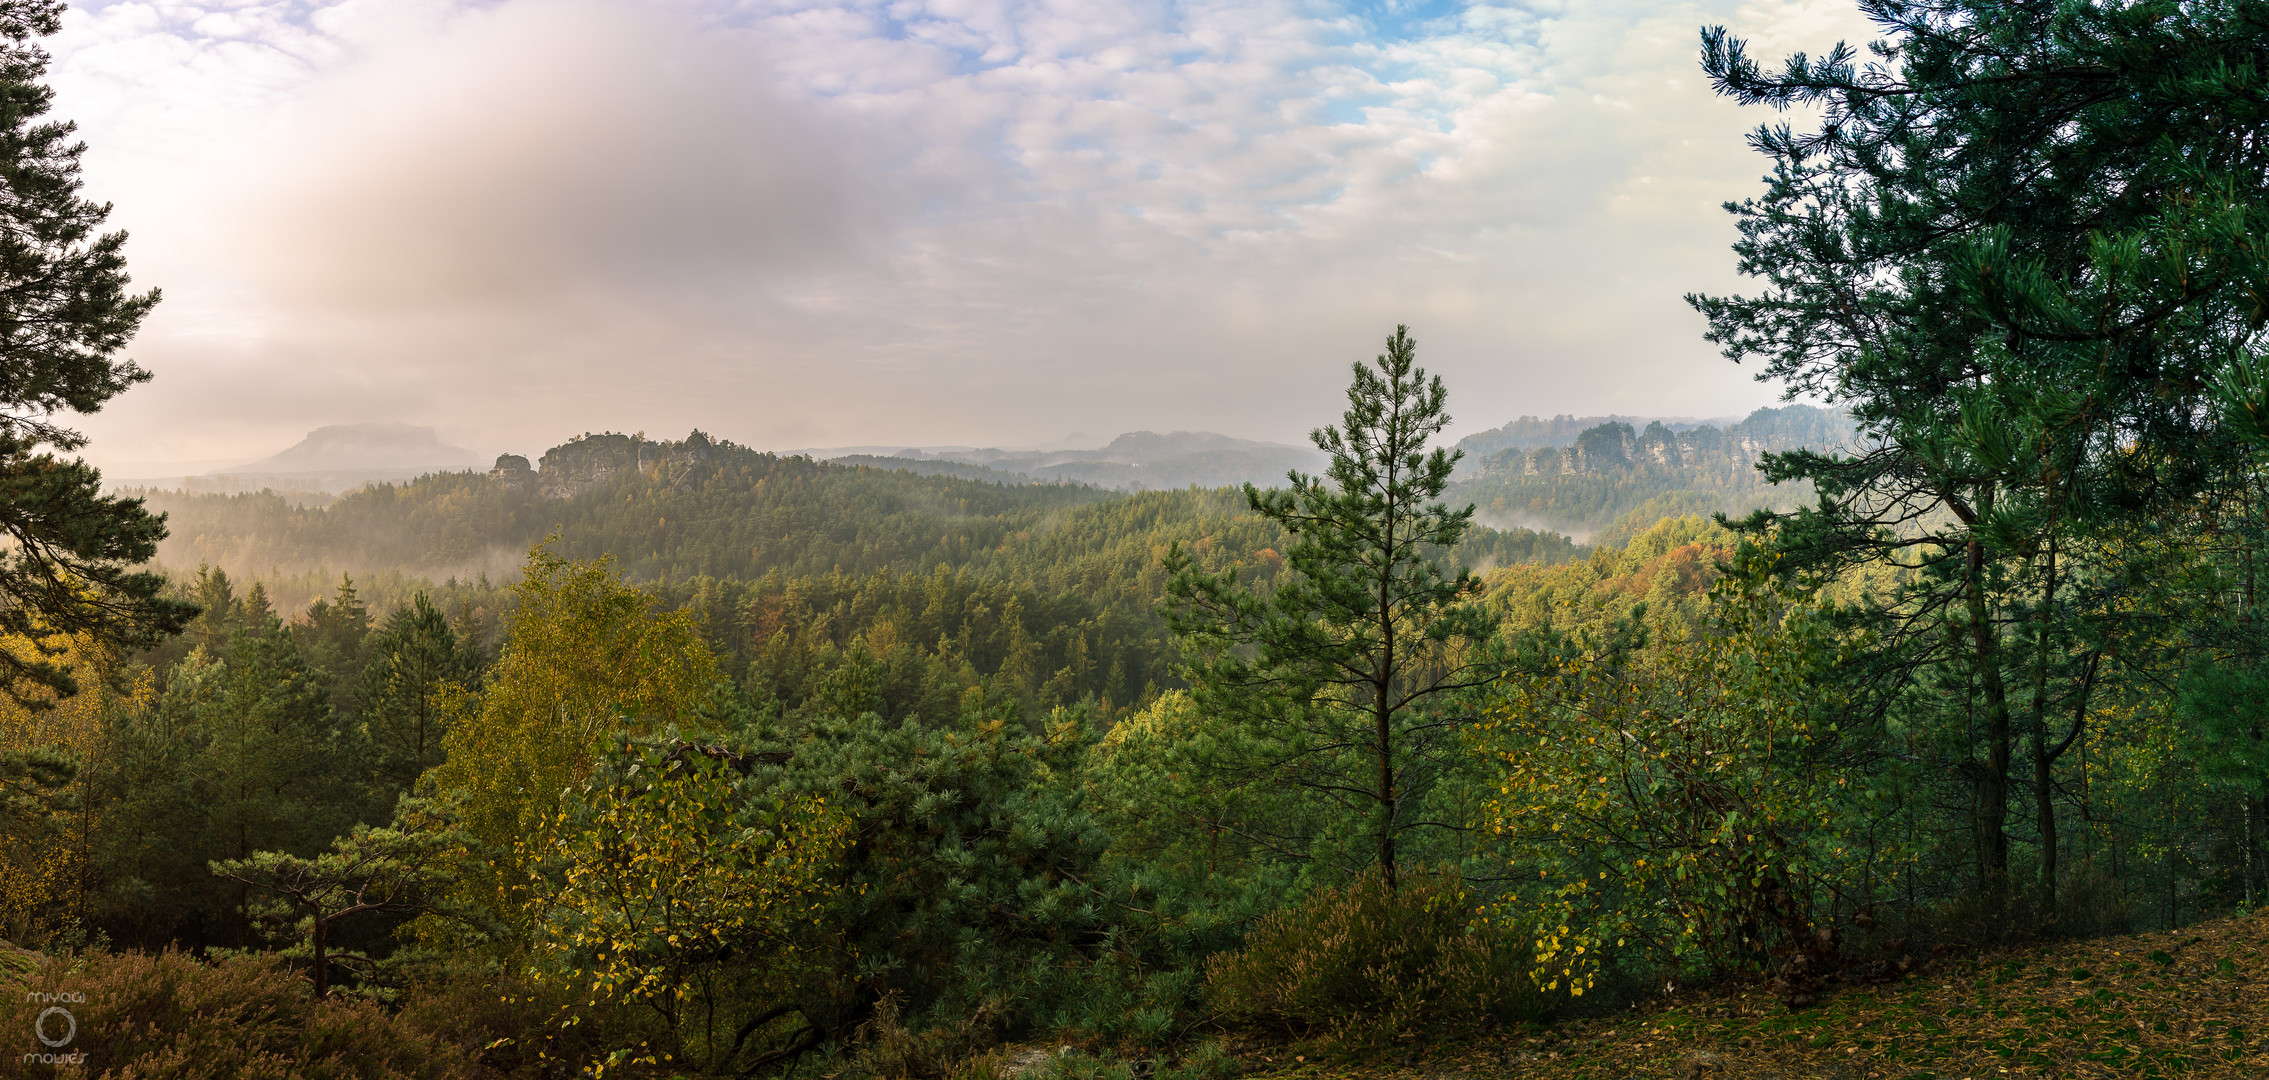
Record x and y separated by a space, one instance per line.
795 223
541 159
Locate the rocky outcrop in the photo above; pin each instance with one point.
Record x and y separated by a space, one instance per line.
581 464
513 472
1613 447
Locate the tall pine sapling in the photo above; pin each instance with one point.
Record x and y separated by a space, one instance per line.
1346 666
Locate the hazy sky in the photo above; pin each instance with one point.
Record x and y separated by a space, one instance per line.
910 221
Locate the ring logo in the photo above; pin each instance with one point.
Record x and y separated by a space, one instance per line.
55 1028
70 1026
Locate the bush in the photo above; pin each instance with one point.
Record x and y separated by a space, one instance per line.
174 1017
1361 967
512 1025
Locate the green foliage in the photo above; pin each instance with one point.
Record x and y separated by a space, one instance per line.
586 657
241 753
674 883
69 567
415 681
400 871
1370 964
924 640
1664 507
2024 285
1346 665
698 508
2225 706
712 535
969 886
976 899
724 511
334 633
43 838
1694 804
1164 782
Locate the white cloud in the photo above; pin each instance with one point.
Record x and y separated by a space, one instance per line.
797 223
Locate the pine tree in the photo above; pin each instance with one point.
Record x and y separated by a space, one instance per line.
418 678
398 870
1344 666
241 753
335 635
2019 248
65 312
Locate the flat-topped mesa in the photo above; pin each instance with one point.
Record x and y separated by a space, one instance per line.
581 464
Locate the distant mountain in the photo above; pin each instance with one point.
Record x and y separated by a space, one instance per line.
363 447
330 460
1529 432
1135 461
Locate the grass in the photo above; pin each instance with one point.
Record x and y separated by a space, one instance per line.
2192 1003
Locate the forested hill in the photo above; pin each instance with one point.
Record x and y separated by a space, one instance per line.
1135 461
1614 480
704 508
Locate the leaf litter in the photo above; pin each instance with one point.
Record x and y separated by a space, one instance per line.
2192 1002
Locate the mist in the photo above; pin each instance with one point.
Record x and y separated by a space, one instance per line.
814 225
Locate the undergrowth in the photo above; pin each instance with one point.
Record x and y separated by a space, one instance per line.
2188 1003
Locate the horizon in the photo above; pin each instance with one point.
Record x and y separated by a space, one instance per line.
1074 442
808 224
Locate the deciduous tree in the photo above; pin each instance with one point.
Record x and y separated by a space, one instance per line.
675 883
585 657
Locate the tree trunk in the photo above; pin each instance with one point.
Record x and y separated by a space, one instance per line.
1382 714
1386 795
2044 759
1993 779
1382 709
2245 811
322 958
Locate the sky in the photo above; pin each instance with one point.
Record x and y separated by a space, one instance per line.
795 223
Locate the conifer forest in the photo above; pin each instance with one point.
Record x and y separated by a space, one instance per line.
1916 728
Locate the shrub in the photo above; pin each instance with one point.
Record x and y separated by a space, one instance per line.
1360 967
173 1017
512 1025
